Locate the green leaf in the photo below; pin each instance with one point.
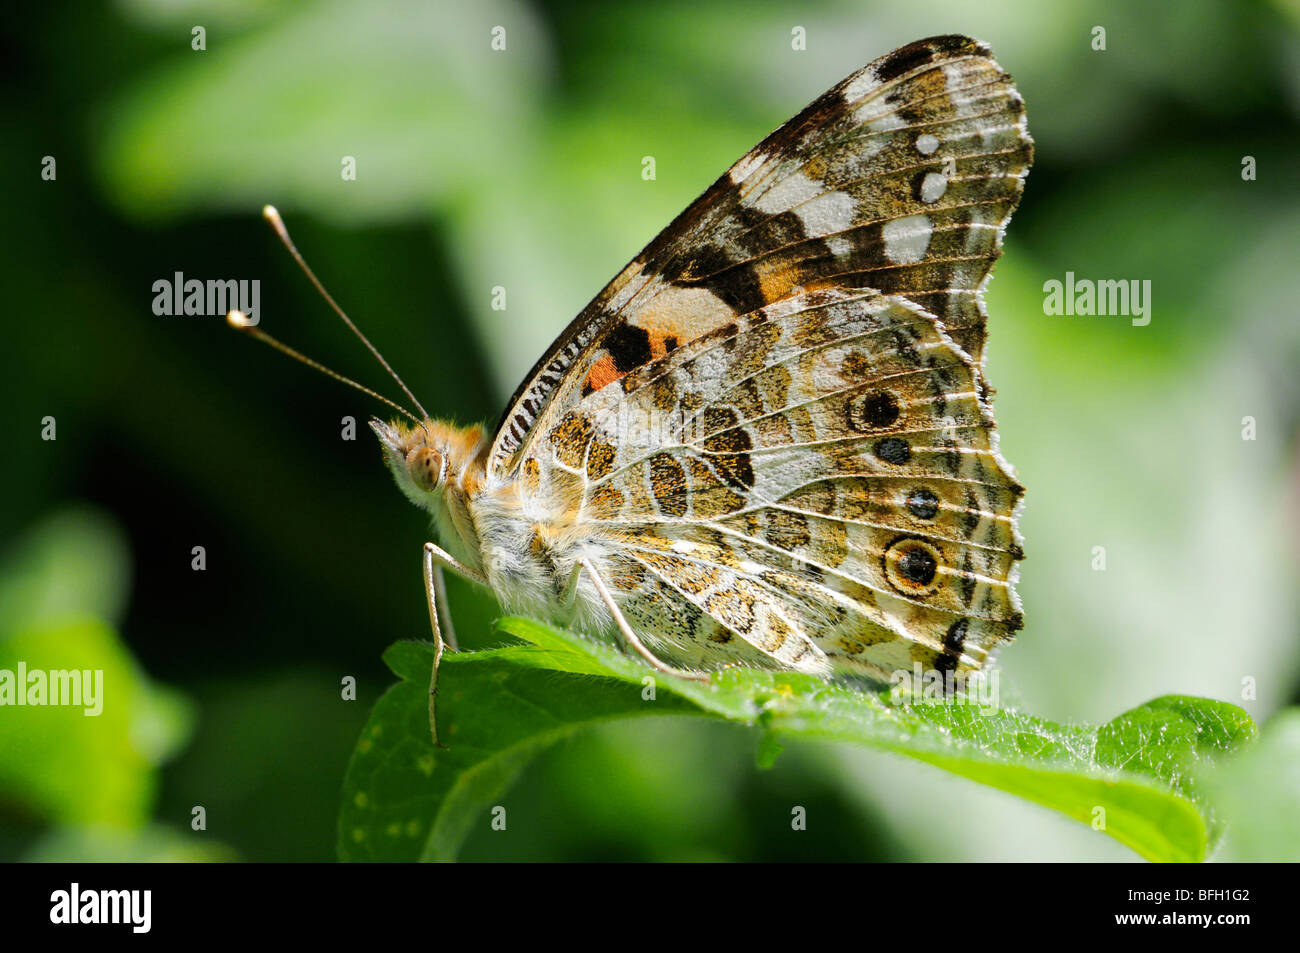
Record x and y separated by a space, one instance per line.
405 800
1139 778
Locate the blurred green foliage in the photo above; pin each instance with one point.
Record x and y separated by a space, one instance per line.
1257 789
522 169
95 764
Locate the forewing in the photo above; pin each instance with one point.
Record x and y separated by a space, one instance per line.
899 179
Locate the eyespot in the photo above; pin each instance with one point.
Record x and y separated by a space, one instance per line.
912 566
425 465
877 410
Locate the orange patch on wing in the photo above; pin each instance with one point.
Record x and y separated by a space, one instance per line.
659 343
776 278
602 374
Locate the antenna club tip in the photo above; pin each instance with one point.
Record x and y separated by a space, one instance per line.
272 218
239 320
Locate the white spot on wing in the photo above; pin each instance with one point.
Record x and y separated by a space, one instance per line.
906 239
821 212
746 166
926 143
832 212
787 193
864 84
933 186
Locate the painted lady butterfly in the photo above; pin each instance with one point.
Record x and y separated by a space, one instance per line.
769 440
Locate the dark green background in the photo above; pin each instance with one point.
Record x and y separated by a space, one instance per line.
523 169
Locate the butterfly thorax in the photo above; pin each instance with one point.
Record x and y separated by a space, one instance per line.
525 544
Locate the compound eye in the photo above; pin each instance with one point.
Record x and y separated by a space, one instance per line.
425 467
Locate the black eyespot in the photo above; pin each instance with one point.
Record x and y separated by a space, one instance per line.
918 566
955 637
892 450
922 504
629 347
878 410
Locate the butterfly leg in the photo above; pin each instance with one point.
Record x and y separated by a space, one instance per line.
626 630
435 589
440 592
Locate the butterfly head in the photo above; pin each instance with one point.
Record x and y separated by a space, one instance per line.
439 467
433 462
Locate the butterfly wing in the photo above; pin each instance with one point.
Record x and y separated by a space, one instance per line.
900 179
819 480
776 413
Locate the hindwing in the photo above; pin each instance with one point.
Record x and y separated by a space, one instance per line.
819 478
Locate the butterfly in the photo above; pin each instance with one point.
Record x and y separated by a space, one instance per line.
769 440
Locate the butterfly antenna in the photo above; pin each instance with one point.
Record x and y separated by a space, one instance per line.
273 219
241 322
